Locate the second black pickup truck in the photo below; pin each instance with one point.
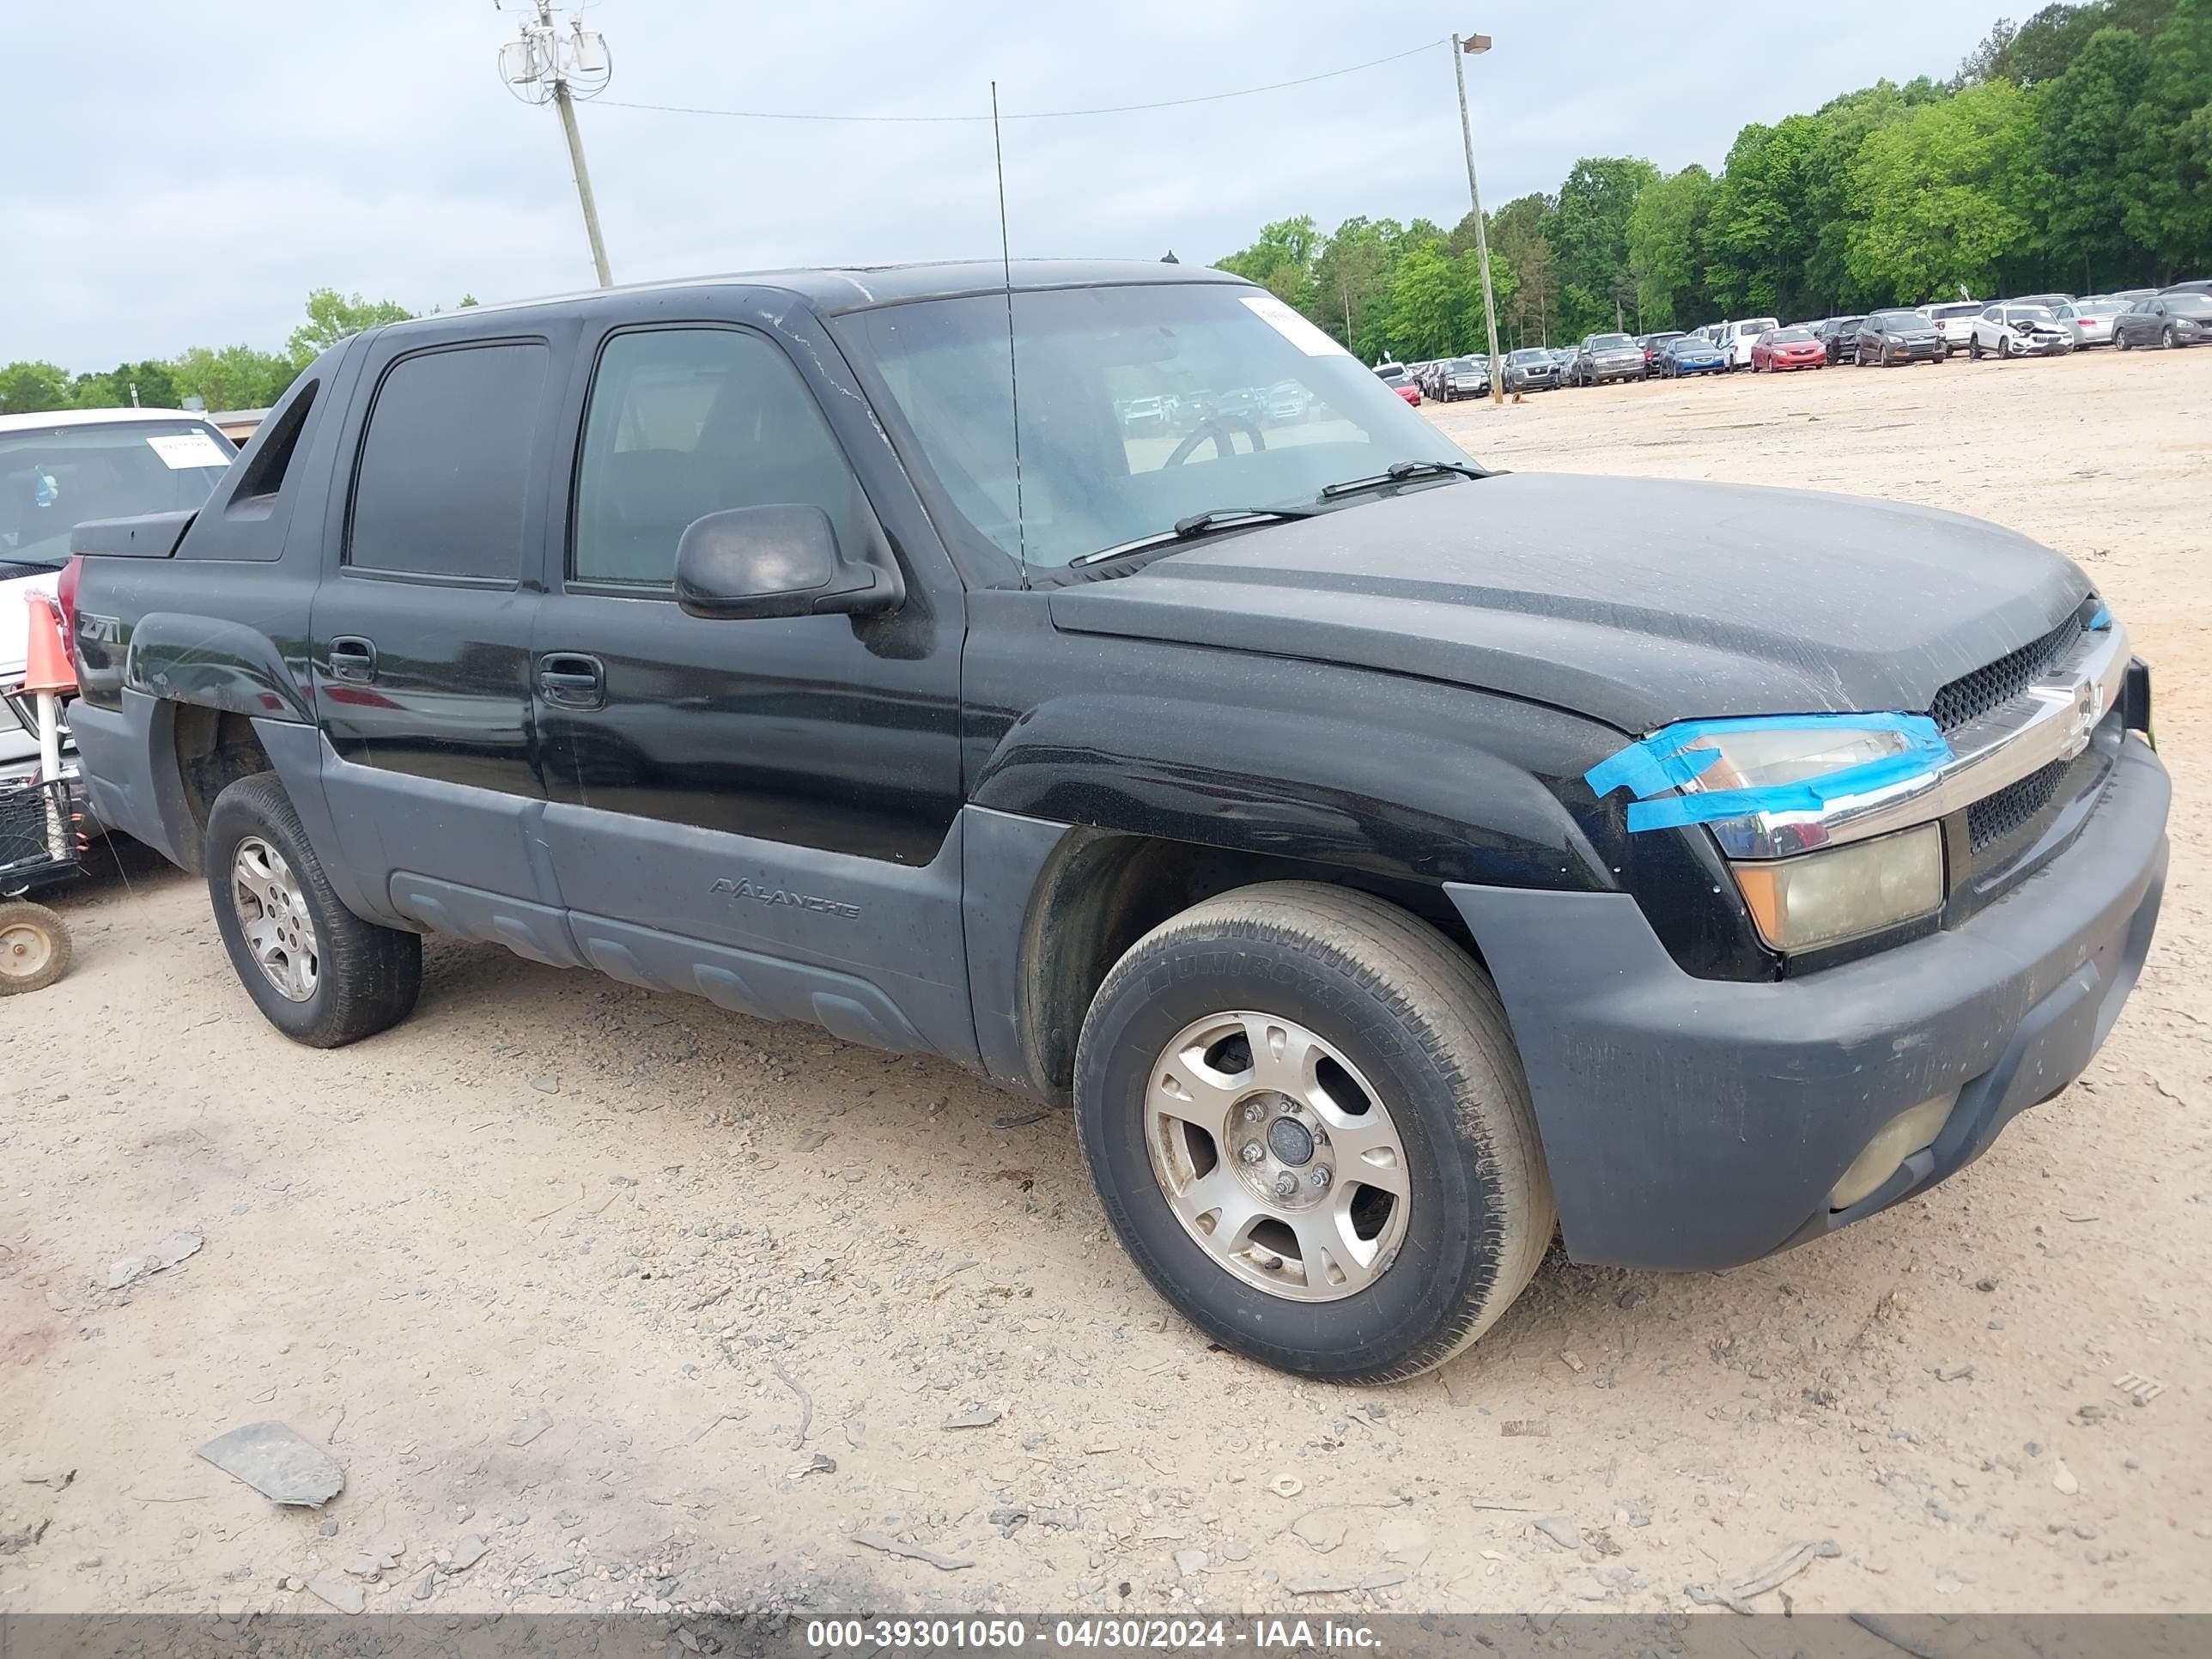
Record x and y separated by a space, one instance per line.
1094 676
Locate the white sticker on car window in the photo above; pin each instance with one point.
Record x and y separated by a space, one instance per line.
180 450
1293 327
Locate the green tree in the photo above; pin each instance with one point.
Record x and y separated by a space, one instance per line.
2164 174
1762 233
236 377
1517 235
1282 260
155 383
1587 230
1666 248
333 317
2051 41
1941 199
1349 274
28 388
2083 118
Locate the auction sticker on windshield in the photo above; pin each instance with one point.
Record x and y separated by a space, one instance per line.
1293 327
180 450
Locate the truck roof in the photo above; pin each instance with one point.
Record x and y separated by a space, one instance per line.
853 287
46 419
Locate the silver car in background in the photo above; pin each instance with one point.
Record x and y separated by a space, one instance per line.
2091 318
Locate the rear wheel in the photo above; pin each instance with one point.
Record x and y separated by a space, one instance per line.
34 947
1307 1123
318 973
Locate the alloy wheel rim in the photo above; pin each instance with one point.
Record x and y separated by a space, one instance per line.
1277 1156
280 934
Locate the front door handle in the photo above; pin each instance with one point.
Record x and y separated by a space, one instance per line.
353 657
569 679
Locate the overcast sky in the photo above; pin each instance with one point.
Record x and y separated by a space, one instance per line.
186 177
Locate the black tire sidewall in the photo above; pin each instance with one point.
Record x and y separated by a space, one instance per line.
246 808
1450 1254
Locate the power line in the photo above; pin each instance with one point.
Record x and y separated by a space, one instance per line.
1028 115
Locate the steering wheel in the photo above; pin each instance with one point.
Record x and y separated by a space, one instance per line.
1218 428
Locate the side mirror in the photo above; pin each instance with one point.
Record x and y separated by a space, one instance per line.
781 561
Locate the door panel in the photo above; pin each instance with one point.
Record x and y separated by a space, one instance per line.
420 653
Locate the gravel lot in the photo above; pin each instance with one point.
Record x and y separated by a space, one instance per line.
640 1305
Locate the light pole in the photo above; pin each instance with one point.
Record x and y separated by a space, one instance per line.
542 67
1463 48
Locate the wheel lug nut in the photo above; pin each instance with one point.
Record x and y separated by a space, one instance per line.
1253 1151
1286 1184
1320 1176
1252 1112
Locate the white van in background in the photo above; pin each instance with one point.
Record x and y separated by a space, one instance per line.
62 466
1736 339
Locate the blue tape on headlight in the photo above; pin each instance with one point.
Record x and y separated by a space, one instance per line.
1664 761
2102 619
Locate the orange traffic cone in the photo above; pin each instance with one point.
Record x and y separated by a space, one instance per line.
46 666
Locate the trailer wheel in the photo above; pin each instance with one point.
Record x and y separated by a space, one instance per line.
34 947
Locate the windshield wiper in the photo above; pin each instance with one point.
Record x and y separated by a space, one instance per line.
1199 525
1399 472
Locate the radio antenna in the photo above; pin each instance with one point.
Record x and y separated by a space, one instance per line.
1013 371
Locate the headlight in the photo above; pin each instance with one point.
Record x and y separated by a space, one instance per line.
1845 892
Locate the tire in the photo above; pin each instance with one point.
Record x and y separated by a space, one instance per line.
34 947
1974 349
357 978
1403 1012
2167 340
2120 340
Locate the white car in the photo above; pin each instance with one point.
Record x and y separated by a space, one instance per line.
64 466
2091 318
1954 321
1736 339
2016 330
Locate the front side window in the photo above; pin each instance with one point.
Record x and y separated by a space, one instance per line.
1090 480
686 421
442 486
53 478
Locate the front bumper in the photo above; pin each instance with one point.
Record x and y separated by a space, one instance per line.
1693 1124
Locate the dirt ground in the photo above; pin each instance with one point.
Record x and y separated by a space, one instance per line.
608 1298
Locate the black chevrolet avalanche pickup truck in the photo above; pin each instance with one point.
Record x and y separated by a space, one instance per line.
1092 675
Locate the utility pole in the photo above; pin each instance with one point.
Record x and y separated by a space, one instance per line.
543 67
1462 49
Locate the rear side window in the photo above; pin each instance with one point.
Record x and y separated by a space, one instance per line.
685 421
441 489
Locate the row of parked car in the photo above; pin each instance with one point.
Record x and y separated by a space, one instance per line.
2033 325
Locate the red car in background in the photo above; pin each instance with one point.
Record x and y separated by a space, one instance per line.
1788 348
1395 376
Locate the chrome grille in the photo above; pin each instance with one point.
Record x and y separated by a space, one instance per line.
1991 686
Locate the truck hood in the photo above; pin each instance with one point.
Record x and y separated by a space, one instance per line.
1634 601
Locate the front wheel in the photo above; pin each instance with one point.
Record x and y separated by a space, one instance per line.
318 973
2167 340
1309 1124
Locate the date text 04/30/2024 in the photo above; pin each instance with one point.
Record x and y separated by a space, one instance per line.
1258 1636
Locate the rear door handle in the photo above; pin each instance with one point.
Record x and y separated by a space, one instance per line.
570 679
353 657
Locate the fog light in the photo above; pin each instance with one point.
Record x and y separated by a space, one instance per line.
1910 1131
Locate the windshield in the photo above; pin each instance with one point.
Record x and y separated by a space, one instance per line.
1464 366
1790 336
1608 342
2190 305
1948 314
1089 481
1391 376
1898 319
54 478
2028 315
1530 355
